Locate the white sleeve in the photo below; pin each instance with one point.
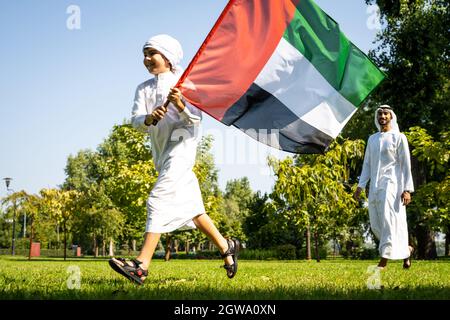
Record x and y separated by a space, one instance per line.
139 111
405 163
365 173
190 114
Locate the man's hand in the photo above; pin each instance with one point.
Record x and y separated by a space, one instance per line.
406 198
357 194
175 97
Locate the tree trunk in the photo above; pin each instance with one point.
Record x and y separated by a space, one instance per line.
111 247
134 244
57 240
187 246
447 244
316 246
308 244
176 244
95 247
65 241
103 247
168 247
426 246
31 238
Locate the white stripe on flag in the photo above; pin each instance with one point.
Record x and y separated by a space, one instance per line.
293 80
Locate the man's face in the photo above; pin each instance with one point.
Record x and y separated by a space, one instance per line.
384 117
155 62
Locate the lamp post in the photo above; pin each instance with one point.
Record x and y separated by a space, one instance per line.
13 246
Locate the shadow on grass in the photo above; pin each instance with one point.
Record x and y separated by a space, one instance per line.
168 289
124 292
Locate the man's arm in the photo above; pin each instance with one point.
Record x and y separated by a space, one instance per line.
405 163
365 173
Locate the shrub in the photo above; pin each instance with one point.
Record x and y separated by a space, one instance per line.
258 254
286 252
360 253
323 253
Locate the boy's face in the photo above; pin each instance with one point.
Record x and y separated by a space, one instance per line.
155 62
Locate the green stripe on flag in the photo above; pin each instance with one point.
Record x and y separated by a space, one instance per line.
341 63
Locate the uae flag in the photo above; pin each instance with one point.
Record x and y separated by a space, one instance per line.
282 72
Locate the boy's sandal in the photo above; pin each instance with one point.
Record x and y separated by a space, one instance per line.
134 273
233 251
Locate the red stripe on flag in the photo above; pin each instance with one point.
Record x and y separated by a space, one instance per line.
234 53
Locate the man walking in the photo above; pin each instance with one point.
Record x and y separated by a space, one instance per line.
388 167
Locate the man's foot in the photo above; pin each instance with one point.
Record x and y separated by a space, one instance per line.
131 269
382 264
407 261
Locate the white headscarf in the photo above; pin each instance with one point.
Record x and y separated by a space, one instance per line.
394 124
169 47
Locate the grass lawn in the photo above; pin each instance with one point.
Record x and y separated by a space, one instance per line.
48 278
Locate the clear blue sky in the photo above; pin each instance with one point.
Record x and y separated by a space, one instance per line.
62 90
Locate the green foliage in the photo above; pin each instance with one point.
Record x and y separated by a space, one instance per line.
314 190
127 175
360 253
258 254
414 48
436 154
323 253
286 252
237 198
431 201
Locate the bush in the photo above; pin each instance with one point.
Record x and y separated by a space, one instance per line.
207 254
286 252
360 253
323 253
258 254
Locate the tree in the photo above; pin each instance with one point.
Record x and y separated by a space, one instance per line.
127 174
430 207
237 198
61 206
96 219
122 168
315 190
32 205
414 50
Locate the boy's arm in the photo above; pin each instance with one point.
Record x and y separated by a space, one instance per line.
139 111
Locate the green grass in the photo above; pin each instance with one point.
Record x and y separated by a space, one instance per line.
46 278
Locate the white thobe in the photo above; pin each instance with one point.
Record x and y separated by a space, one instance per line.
388 167
175 198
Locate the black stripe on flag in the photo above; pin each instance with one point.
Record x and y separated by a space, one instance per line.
258 111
